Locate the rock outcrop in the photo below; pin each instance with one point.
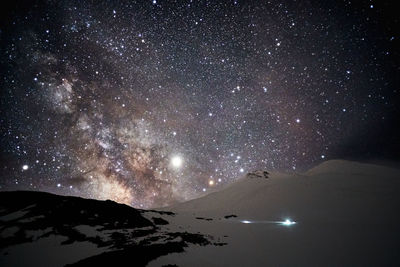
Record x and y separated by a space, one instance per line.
257 174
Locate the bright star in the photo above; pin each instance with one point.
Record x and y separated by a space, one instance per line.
176 161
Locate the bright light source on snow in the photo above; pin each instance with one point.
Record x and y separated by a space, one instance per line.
287 222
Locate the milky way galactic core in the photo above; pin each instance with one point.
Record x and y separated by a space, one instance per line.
152 102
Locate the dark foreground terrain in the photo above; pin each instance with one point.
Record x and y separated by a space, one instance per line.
122 234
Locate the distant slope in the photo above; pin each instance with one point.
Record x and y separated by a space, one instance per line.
352 167
334 190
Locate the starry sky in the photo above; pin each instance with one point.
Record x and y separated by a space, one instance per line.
152 102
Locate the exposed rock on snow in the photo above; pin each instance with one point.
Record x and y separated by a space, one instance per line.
257 174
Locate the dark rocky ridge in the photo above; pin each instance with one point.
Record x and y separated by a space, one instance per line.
124 231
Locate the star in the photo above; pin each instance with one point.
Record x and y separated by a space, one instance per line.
176 161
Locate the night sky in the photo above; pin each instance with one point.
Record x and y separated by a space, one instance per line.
152 102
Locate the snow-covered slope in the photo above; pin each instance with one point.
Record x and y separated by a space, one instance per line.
348 189
346 213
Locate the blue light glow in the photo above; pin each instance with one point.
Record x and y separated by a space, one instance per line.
287 222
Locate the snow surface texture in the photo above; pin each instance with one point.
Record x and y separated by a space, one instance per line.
346 214
338 213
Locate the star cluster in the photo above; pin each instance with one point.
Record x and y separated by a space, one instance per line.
152 102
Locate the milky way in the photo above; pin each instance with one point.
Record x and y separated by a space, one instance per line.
152 102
